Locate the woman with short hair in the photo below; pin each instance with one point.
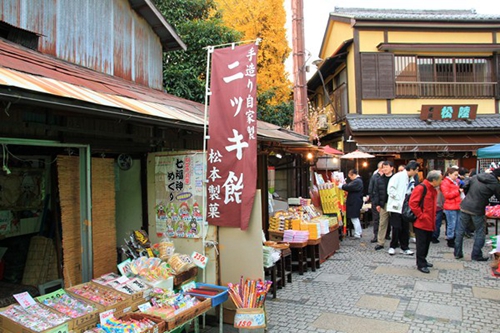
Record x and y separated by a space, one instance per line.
451 191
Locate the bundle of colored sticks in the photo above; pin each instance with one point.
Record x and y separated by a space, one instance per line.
249 294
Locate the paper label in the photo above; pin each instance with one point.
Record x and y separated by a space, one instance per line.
250 320
105 315
188 286
59 329
24 299
54 294
144 307
199 259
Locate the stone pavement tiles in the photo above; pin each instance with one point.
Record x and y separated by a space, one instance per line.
362 290
359 289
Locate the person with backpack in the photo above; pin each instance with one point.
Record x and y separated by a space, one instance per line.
423 204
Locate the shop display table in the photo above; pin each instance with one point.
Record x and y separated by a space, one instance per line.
285 269
330 243
313 253
271 273
299 258
276 236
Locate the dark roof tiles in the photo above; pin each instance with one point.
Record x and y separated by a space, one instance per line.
413 14
398 123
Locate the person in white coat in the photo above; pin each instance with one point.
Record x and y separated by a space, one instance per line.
398 188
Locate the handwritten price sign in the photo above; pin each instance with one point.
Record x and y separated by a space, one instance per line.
254 318
199 259
24 299
103 316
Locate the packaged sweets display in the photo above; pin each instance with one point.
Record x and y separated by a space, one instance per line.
70 306
35 317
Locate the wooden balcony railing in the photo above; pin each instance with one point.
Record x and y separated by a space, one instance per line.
412 89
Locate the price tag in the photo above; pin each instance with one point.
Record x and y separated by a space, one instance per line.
105 315
54 295
24 299
188 286
255 318
144 307
199 259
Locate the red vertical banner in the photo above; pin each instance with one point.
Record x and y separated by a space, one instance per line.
232 147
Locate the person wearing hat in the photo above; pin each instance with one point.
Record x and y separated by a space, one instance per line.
478 192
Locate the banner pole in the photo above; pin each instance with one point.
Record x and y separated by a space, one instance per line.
204 227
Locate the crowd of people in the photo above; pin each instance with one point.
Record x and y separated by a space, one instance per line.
459 196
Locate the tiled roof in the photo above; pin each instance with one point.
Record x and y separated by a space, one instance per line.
413 14
401 123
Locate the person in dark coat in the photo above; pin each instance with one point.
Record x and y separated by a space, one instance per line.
478 191
380 201
372 186
425 223
354 200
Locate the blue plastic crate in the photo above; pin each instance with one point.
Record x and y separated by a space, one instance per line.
217 299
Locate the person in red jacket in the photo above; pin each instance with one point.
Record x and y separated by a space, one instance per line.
425 223
451 207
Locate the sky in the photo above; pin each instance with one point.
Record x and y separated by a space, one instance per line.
316 13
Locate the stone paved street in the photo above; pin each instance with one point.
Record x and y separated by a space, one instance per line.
362 290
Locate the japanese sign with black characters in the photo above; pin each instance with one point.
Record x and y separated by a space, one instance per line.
232 147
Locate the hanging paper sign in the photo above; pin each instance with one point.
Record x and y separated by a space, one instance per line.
103 316
199 259
24 299
144 307
54 295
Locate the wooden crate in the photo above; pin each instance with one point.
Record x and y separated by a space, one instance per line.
118 307
158 328
189 314
9 325
187 276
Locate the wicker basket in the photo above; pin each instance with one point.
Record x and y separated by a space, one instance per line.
277 245
186 276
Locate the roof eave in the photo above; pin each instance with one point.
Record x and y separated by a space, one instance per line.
168 37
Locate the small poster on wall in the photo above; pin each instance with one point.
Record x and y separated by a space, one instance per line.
179 194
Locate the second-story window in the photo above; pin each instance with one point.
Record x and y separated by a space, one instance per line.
438 77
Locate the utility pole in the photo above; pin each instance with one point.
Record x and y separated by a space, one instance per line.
300 110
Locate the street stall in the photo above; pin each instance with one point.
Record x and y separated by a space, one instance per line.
152 289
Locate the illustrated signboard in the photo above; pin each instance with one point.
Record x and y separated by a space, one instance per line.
179 194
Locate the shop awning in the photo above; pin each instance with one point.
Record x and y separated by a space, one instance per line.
26 74
424 143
